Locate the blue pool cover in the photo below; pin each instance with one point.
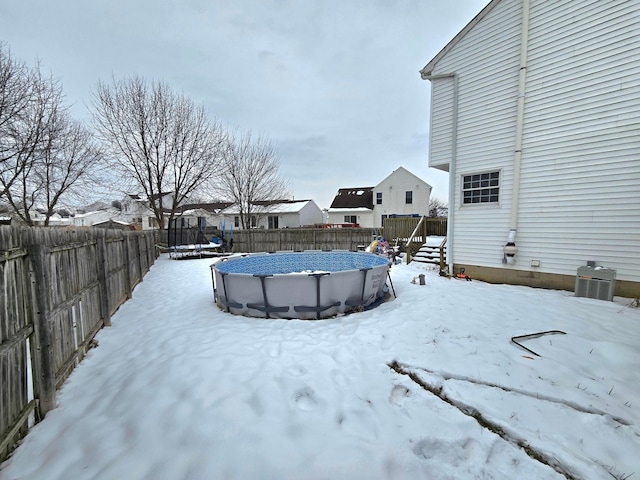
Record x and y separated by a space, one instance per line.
294 262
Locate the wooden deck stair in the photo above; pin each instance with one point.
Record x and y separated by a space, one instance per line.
432 251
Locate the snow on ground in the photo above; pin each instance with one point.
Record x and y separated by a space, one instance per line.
428 386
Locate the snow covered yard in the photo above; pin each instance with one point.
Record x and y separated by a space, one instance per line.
426 386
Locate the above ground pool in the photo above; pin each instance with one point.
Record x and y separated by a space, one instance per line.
307 285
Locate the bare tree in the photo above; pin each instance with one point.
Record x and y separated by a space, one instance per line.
63 166
438 207
250 176
29 106
69 165
159 139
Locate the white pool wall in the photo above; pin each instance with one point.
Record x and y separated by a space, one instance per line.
297 289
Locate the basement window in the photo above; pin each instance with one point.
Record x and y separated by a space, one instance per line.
481 188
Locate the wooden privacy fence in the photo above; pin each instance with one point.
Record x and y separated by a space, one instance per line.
259 240
263 240
58 287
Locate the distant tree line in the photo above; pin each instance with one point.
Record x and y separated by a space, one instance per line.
144 138
44 153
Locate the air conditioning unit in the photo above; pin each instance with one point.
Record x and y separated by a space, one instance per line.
595 282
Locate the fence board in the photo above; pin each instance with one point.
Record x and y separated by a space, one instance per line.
271 240
264 240
51 298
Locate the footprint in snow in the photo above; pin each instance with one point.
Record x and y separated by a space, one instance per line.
304 399
456 453
274 350
398 394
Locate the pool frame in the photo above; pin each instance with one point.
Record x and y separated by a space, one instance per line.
299 292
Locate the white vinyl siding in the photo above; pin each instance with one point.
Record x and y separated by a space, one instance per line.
579 189
580 195
310 214
441 128
395 190
486 61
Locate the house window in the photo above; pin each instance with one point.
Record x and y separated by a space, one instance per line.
408 197
379 198
481 188
236 221
254 221
350 219
273 221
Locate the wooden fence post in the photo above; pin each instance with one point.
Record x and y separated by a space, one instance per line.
127 262
45 375
105 310
139 254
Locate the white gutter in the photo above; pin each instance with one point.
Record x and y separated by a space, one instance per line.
452 163
510 249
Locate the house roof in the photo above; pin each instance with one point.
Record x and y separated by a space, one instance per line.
428 68
111 223
193 212
350 210
417 178
211 207
353 198
272 207
278 202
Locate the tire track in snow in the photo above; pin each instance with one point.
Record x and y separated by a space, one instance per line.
574 406
484 422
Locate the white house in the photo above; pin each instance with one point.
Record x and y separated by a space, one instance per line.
277 214
200 214
400 194
535 114
352 206
89 219
136 210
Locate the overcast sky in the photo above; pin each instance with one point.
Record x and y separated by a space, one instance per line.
334 83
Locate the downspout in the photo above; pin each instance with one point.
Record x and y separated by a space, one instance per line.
510 248
452 163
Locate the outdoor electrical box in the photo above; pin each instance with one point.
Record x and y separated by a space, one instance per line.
595 282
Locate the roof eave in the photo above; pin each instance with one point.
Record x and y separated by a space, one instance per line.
427 70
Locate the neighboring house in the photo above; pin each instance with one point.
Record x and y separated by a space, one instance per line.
39 215
200 214
114 225
277 214
401 194
535 109
352 206
90 219
195 217
136 210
